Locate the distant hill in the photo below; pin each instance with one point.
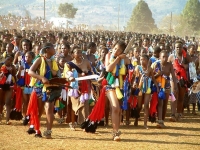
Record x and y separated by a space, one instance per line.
92 12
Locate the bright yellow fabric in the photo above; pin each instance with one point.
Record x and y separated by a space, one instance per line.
120 82
161 80
42 67
118 93
57 103
54 65
42 72
4 54
134 63
66 68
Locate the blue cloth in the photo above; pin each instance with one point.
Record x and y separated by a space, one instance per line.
38 91
153 59
126 94
28 90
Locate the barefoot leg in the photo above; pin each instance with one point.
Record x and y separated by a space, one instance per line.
147 98
180 99
107 109
165 102
114 103
7 99
139 108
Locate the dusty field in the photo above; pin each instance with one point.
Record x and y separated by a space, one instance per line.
176 136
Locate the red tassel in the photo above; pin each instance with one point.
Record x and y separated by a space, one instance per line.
32 110
4 69
179 70
130 76
98 111
133 101
66 87
104 82
27 78
184 53
14 91
3 80
18 104
153 104
130 99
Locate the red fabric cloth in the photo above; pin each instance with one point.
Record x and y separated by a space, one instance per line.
27 78
4 69
153 104
98 111
3 80
184 53
179 69
14 43
84 86
133 101
14 91
130 75
67 84
32 110
18 104
104 82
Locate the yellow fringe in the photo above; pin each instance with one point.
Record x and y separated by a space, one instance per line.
66 68
42 72
118 93
54 65
122 70
4 54
57 103
32 82
161 80
114 70
148 91
42 67
13 79
153 65
120 82
134 63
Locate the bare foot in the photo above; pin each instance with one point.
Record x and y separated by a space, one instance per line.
8 123
121 123
136 123
172 118
146 127
194 113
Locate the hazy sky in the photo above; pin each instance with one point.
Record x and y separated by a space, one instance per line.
95 11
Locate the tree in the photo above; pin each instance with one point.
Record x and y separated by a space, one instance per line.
191 15
67 10
165 26
141 19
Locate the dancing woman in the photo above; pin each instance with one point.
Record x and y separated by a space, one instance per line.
7 74
180 60
115 63
78 96
144 77
43 69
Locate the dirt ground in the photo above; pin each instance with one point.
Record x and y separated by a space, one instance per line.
176 136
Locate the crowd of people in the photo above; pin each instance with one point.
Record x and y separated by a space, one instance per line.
18 22
54 72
